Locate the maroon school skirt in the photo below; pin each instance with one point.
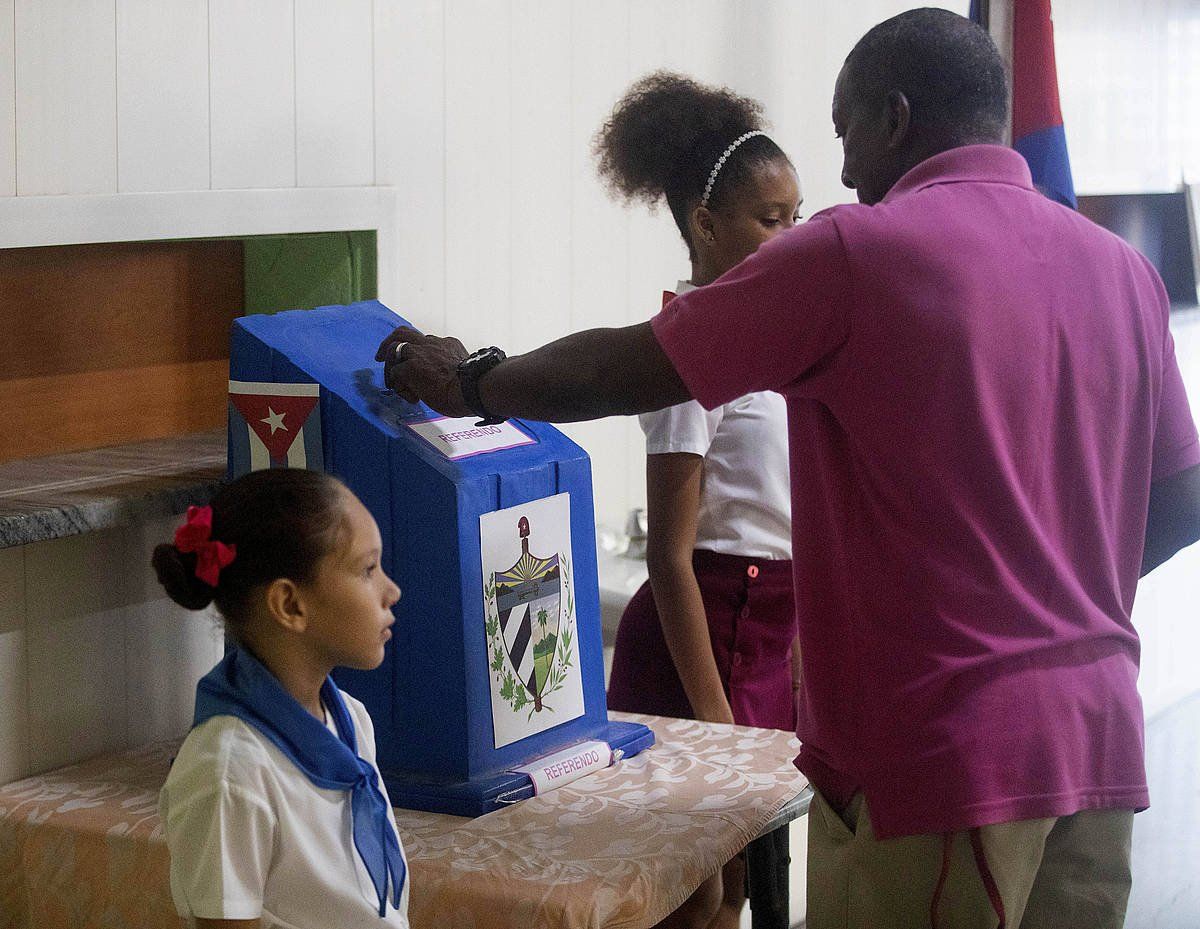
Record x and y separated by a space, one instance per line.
751 624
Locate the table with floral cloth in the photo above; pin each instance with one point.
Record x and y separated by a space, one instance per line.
83 846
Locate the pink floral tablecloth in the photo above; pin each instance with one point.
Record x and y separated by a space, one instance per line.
83 846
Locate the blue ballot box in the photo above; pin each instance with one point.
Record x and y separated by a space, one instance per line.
493 681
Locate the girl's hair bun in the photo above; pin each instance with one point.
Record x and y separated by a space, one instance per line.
176 571
279 522
664 136
665 133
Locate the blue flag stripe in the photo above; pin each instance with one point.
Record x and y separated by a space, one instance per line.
1046 152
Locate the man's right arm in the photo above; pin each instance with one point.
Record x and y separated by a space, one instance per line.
1173 522
773 319
586 375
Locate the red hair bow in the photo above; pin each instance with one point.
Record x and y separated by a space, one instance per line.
195 535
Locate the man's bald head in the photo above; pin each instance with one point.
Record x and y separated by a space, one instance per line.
919 83
947 66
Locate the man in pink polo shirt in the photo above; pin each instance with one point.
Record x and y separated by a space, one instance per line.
990 443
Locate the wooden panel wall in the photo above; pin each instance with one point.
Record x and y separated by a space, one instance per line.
106 344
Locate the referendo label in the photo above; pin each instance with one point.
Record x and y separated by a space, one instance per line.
568 765
459 437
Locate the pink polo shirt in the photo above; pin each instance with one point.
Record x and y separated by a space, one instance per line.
981 386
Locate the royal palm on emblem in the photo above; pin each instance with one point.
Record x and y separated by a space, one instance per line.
528 596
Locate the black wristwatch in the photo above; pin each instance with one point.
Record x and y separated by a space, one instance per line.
470 370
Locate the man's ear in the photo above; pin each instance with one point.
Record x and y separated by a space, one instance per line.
286 605
701 222
899 118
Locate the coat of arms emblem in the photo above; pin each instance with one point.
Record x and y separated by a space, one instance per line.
531 644
532 658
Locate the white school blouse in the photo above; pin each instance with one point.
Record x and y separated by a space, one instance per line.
251 837
745 497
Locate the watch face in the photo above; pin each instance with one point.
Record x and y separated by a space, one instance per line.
474 359
490 353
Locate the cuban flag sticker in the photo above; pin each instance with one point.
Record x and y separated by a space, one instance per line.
274 426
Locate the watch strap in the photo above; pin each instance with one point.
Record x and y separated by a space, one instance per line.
470 370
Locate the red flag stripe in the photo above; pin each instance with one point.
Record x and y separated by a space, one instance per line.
276 420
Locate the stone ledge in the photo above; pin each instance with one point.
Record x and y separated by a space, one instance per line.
77 492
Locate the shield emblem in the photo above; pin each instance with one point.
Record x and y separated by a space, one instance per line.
528 600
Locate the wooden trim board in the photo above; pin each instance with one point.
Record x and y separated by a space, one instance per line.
69 412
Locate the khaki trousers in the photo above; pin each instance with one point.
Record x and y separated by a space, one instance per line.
1066 873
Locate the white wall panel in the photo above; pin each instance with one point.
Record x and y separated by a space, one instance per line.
657 257
661 36
253 103
8 100
167 650
76 608
800 102
76 675
478 171
335 145
810 42
539 210
410 120
692 33
66 96
600 72
1129 78
783 49
162 95
12 589
14 707
1164 612
746 54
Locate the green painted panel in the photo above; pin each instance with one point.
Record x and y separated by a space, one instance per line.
365 250
301 271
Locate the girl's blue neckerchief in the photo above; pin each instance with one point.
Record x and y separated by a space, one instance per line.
241 686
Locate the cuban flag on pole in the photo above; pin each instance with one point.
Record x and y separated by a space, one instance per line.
272 426
1024 32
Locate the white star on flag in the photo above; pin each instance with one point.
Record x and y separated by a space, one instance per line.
274 420
289 436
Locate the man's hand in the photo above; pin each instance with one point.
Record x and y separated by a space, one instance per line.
424 367
586 375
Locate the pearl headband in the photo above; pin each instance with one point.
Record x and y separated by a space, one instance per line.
712 175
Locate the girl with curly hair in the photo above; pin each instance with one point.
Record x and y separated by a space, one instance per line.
711 635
